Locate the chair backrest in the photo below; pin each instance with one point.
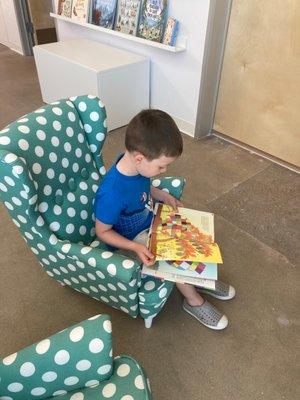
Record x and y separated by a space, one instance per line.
51 164
77 357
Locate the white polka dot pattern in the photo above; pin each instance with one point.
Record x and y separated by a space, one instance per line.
9 359
38 138
171 185
55 374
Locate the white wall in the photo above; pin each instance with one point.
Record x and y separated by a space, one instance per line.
175 77
9 31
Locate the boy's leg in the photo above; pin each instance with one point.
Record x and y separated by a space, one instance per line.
201 309
141 238
222 291
193 303
190 293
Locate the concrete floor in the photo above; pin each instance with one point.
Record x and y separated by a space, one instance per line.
257 227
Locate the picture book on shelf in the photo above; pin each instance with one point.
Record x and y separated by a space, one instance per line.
64 8
152 19
174 237
80 10
171 32
103 13
127 16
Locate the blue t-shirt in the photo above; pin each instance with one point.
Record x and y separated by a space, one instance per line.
124 202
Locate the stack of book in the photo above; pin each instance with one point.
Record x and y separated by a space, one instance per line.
143 18
184 246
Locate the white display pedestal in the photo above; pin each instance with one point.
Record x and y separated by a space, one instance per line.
76 67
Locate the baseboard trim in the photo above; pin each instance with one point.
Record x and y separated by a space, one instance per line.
260 153
17 50
12 47
185 127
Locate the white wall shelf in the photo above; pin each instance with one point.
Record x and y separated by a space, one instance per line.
172 49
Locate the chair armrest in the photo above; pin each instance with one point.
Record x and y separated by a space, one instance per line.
173 185
128 381
116 265
137 382
63 362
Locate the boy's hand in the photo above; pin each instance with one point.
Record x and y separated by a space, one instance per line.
165 197
172 201
143 253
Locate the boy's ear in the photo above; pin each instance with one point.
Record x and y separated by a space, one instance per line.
138 157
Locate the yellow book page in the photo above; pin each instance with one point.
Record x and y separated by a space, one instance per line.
174 250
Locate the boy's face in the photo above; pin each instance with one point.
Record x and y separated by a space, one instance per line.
152 168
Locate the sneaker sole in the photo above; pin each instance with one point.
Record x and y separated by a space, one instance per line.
215 328
216 296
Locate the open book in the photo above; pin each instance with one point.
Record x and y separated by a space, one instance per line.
163 270
184 247
186 235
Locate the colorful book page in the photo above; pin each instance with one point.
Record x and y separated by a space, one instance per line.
164 271
192 266
208 271
173 237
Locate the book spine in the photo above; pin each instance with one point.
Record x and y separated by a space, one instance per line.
174 34
171 31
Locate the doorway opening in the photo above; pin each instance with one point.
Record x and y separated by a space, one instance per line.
36 25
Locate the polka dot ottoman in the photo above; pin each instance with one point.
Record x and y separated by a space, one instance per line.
51 166
76 363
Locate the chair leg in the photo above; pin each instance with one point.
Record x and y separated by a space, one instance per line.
148 322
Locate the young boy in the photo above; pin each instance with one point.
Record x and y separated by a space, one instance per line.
123 205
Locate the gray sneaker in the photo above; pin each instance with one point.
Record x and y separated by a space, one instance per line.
223 291
207 314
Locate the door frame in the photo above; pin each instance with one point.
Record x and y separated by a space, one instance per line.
215 41
25 26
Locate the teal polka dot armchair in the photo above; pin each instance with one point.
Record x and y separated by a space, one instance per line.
74 364
51 166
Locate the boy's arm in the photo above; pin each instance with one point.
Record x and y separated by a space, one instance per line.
165 197
111 237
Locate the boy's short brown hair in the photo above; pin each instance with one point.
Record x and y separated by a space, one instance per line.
153 133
